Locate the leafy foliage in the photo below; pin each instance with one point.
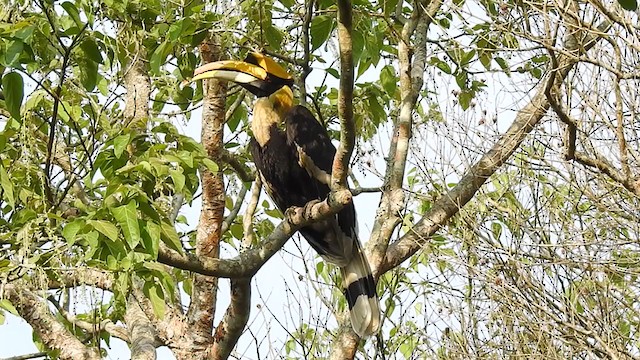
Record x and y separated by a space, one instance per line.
534 266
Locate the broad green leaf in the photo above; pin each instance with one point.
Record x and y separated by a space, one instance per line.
175 30
7 187
120 144
71 9
158 57
178 179
156 296
127 218
465 98
70 230
4 264
440 65
151 238
13 52
630 5
88 74
503 65
171 237
333 72
320 29
13 88
274 36
210 164
106 228
358 46
388 80
91 50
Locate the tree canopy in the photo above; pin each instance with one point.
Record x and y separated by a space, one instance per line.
497 139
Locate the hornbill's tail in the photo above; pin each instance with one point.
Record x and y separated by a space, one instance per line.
360 290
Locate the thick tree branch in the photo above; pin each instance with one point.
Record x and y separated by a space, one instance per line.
53 334
411 81
141 331
392 201
345 97
205 288
81 277
247 263
235 318
450 203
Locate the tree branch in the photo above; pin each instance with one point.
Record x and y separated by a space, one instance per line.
81 277
237 315
92 328
208 234
247 263
450 203
345 98
411 81
53 334
244 172
141 331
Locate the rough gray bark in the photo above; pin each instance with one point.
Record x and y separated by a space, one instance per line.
53 334
205 288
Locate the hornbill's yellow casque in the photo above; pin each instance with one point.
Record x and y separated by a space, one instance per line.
280 157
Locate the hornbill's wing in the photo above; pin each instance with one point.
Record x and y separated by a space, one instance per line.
305 132
336 239
284 183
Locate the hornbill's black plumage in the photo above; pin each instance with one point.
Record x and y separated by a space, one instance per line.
288 161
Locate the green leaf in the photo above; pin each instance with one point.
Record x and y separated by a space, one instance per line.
320 29
6 304
358 46
70 230
630 5
171 237
159 55
388 80
210 164
7 187
13 52
106 228
71 9
120 144
178 179
274 36
91 50
156 296
13 88
127 218
333 72
503 65
440 65
88 74
151 238
465 98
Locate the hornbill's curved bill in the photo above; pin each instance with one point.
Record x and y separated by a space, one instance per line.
288 161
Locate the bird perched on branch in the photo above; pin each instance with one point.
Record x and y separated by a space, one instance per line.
295 166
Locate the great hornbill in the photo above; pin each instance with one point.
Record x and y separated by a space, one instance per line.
289 161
